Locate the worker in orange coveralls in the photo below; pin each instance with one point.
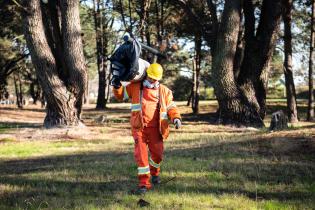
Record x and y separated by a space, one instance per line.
152 107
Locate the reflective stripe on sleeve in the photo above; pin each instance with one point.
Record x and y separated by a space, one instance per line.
164 116
143 170
171 105
126 96
154 164
135 107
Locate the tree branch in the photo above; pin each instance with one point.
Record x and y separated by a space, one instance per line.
10 64
249 20
215 24
122 13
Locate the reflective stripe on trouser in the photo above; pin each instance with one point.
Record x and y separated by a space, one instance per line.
143 170
152 139
154 164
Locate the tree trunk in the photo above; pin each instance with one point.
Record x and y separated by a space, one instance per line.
86 94
239 54
197 74
73 50
3 87
18 90
107 76
107 99
190 96
288 71
158 23
106 37
253 78
8 68
130 17
35 91
143 14
194 83
311 103
98 23
42 99
64 103
233 109
143 24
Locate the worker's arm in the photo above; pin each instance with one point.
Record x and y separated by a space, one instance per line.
172 110
122 93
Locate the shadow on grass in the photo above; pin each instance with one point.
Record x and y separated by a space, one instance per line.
24 109
207 118
107 110
71 179
269 163
211 117
66 194
5 125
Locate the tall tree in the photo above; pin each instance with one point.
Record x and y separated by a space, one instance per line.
196 75
288 71
311 102
11 43
192 22
18 88
103 24
243 100
227 92
144 16
98 22
34 88
57 55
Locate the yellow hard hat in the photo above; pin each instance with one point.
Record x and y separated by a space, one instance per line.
155 71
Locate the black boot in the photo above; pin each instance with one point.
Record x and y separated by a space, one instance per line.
155 180
139 191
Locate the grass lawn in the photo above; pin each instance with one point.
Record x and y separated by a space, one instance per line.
205 166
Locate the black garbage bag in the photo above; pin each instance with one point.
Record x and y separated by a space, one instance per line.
124 61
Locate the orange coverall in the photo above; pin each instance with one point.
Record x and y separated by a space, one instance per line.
151 110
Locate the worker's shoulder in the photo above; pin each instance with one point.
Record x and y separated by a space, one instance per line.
165 88
133 85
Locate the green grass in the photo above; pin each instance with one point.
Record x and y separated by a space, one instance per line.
210 167
3 128
209 173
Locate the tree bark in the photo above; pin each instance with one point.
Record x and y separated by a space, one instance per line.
234 107
158 23
143 14
288 71
107 74
63 104
73 51
311 102
3 87
51 19
197 62
239 54
18 90
194 78
108 87
98 24
35 91
259 47
5 71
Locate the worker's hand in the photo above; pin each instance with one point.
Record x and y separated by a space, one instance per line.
115 82
177 123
